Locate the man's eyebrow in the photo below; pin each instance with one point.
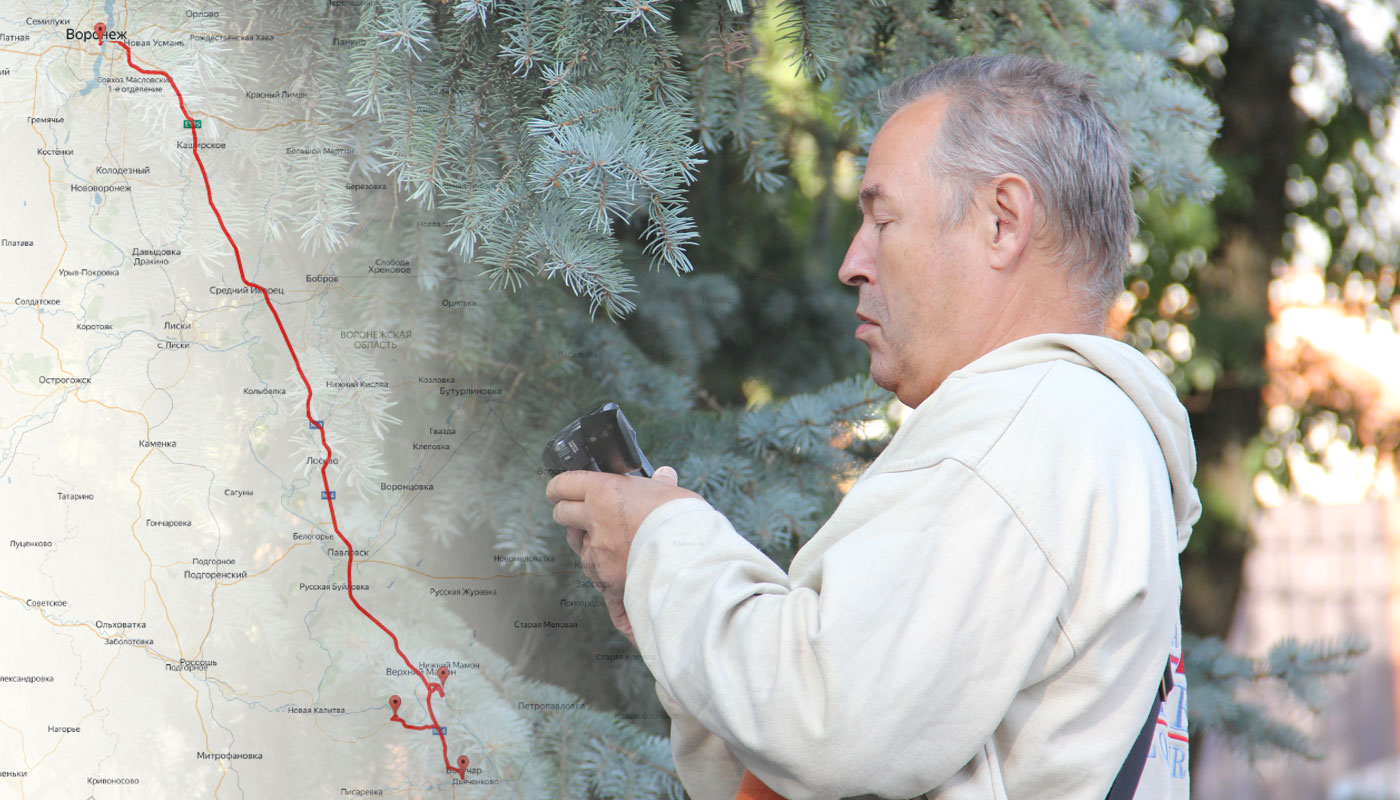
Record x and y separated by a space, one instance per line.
869 195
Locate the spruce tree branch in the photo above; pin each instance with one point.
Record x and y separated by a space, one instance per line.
638 758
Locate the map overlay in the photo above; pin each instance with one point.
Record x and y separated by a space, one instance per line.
238 429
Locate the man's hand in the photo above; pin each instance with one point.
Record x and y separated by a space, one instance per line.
602 512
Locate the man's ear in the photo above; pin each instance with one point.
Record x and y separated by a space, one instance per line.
1013 210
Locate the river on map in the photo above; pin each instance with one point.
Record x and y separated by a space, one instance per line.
107 7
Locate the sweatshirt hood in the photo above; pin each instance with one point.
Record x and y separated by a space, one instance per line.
1141 381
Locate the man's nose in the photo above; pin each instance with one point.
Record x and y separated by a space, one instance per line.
859 264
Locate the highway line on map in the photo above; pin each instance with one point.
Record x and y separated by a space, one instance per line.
460 770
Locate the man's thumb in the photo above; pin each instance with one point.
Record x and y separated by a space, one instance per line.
667 475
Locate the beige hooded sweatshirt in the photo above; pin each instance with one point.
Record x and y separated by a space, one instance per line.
987 614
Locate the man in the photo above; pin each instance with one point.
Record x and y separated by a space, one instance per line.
988 612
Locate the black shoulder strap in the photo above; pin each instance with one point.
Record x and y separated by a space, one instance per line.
1125 785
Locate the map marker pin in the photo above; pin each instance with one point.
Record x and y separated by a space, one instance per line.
462 763
394 703
101 30
443 672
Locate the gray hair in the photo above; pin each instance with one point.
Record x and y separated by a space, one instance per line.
1044 122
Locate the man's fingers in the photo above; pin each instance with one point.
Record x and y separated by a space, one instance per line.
667 475
589 557
618 614
571 485
571 514
575 539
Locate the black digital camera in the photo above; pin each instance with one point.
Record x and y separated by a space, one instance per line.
601 440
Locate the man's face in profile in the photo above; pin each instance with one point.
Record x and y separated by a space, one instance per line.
915 276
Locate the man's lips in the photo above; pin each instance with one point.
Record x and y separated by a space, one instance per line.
866 324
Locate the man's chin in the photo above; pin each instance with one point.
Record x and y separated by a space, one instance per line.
883 377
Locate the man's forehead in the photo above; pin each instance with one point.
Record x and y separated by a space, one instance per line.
919 117
901 147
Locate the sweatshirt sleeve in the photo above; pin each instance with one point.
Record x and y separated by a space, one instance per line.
886 677
705 764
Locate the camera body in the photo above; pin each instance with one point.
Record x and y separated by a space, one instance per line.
601 440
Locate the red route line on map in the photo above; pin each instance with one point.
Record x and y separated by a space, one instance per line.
433 687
